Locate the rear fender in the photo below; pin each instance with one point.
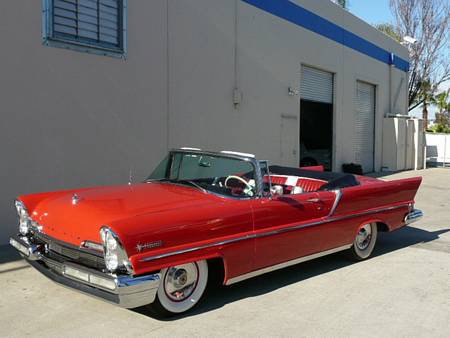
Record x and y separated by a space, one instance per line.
378 195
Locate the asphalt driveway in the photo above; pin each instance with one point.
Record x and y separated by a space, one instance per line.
403 291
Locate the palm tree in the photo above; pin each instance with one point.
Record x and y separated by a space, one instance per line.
442 101
427 97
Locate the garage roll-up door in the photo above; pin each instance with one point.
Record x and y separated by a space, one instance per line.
364 133
317 85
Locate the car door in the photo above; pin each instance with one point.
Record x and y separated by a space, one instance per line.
283 229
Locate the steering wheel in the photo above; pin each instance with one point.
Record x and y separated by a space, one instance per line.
240 179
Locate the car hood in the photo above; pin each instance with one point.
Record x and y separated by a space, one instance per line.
74 223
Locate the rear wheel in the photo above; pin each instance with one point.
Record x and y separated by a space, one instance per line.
181 288
365 241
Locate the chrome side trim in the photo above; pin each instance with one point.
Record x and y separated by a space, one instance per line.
270 233
206 246
339 194
414 216
285 264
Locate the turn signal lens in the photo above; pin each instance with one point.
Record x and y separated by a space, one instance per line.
89 277
106 283
75 273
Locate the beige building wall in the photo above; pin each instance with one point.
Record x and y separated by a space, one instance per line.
72 119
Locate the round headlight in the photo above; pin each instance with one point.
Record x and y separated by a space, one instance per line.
111 261
114 254
110 242
24 218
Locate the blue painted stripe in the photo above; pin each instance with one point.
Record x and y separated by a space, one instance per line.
302 17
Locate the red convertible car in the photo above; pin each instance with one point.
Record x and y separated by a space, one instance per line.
153 243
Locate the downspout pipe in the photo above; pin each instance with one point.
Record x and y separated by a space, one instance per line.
391 83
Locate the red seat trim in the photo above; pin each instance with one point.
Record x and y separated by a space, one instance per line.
307 184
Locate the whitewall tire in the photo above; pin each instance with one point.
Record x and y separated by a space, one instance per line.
181 288
365 241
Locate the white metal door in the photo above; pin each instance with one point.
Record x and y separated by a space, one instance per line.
364 135
317 85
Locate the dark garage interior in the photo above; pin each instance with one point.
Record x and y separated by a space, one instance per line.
316 134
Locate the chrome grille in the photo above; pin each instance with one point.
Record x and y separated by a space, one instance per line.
70 252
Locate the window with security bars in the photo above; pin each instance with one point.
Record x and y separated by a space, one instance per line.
96 26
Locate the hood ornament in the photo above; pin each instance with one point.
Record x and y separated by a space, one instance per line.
75 199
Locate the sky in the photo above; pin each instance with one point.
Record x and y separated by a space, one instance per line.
378 11
371 11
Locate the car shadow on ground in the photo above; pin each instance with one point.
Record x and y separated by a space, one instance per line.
218 296
8 254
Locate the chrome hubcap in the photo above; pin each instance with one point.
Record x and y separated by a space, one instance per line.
364 236
181 281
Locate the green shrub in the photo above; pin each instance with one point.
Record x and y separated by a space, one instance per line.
439 128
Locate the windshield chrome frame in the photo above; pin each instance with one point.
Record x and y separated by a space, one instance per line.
257 169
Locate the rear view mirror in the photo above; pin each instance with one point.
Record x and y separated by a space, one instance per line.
204 163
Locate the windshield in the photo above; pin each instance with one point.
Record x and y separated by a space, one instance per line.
211 173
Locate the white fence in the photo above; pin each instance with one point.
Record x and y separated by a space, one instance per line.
438 149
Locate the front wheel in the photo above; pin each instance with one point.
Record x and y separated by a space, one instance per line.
181 288
365 241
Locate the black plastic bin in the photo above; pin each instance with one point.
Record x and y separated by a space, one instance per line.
352 168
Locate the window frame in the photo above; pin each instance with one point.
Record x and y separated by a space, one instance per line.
50 40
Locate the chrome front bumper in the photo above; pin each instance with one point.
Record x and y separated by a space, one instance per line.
125 291
414 216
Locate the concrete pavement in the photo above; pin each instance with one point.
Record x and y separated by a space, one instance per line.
403 291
